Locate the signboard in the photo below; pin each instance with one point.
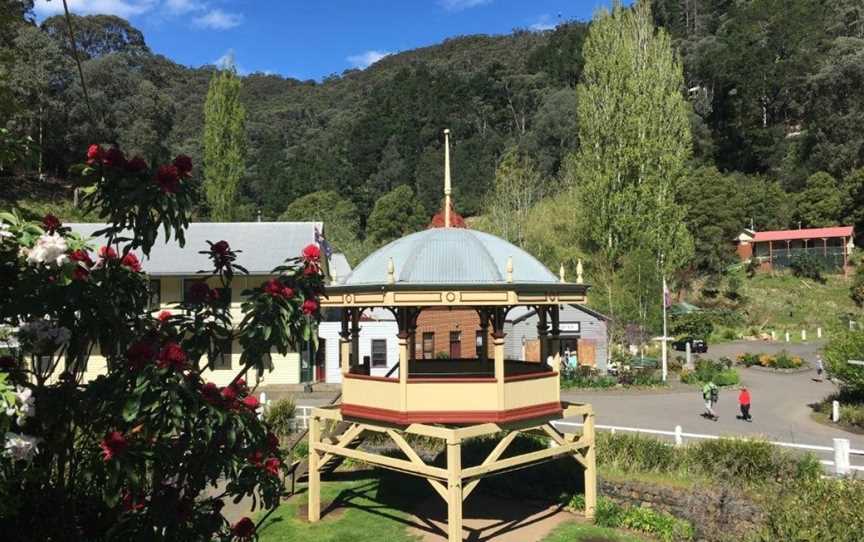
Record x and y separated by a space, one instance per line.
569 327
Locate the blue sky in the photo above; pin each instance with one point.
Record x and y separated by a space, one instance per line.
310 39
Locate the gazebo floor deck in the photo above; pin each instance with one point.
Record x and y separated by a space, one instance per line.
471 368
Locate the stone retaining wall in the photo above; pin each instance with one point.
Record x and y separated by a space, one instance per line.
717 514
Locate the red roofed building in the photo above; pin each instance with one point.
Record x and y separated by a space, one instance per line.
775 249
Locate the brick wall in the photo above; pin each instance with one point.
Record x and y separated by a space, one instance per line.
442 322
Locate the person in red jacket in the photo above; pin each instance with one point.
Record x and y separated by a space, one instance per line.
744 403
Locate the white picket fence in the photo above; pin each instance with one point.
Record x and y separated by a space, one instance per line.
841 449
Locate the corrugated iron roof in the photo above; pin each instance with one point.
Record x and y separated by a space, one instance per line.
807 233
450 256
264 245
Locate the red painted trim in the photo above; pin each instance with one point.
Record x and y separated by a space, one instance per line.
451 416
447 380
530 376
369 377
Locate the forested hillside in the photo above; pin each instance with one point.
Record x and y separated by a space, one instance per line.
775 90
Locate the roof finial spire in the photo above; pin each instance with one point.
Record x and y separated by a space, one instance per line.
447 178
579 279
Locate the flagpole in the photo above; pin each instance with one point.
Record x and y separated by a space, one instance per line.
665 338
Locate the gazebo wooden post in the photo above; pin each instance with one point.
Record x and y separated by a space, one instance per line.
454 488
555 346
590 472
403 319
498 347
314 474
483 355
345 343
355 336
542 332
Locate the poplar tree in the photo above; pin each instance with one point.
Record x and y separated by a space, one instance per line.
634 140
517 188
224 143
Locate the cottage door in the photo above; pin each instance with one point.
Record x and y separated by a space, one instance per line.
587 352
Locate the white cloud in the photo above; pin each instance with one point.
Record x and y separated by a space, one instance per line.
121 8
459 5
367 58
178 7
544 22
218 20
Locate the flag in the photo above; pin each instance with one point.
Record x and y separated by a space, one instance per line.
322 242
667 297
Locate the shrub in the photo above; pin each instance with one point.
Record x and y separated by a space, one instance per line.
852 414
280 417
587 377
748 360
741 461
695 324
807 266
632 453
785 361
712 371
815 509
647 520
839 350
856 291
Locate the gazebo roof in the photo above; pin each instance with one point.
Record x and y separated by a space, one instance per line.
451 257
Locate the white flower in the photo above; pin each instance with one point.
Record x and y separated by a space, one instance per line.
21 447
4 231
50 249
26 404
41 337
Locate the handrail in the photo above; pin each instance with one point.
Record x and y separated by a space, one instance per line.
390 372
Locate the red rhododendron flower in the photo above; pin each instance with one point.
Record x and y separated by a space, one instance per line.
136 165
107 253
183 164
164 316
273 465
141 352
113 445
81 256
114 157
251 402
229 394
311 269
310 306
210 393
243 529
172 356
272 442
198 292
274 287
94 153
256 458
214 295
168 178
311 253
80 274
130 261
220 247
51 223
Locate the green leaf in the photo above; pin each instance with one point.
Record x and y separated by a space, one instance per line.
131 407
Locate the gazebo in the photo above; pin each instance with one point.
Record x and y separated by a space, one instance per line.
452 399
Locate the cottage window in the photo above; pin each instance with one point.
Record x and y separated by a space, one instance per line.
379 352
428 345
222 359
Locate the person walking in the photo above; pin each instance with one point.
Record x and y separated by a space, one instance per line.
744 403
710 395
820 368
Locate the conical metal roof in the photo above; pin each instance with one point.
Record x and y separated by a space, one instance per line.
449 256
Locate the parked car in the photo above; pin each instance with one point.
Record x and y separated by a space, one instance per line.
697 346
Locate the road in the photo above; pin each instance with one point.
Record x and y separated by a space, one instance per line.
780 403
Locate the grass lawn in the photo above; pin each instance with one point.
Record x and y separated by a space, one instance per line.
373 508
577 532
785 302
364 514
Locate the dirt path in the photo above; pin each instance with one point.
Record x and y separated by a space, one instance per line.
491 519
